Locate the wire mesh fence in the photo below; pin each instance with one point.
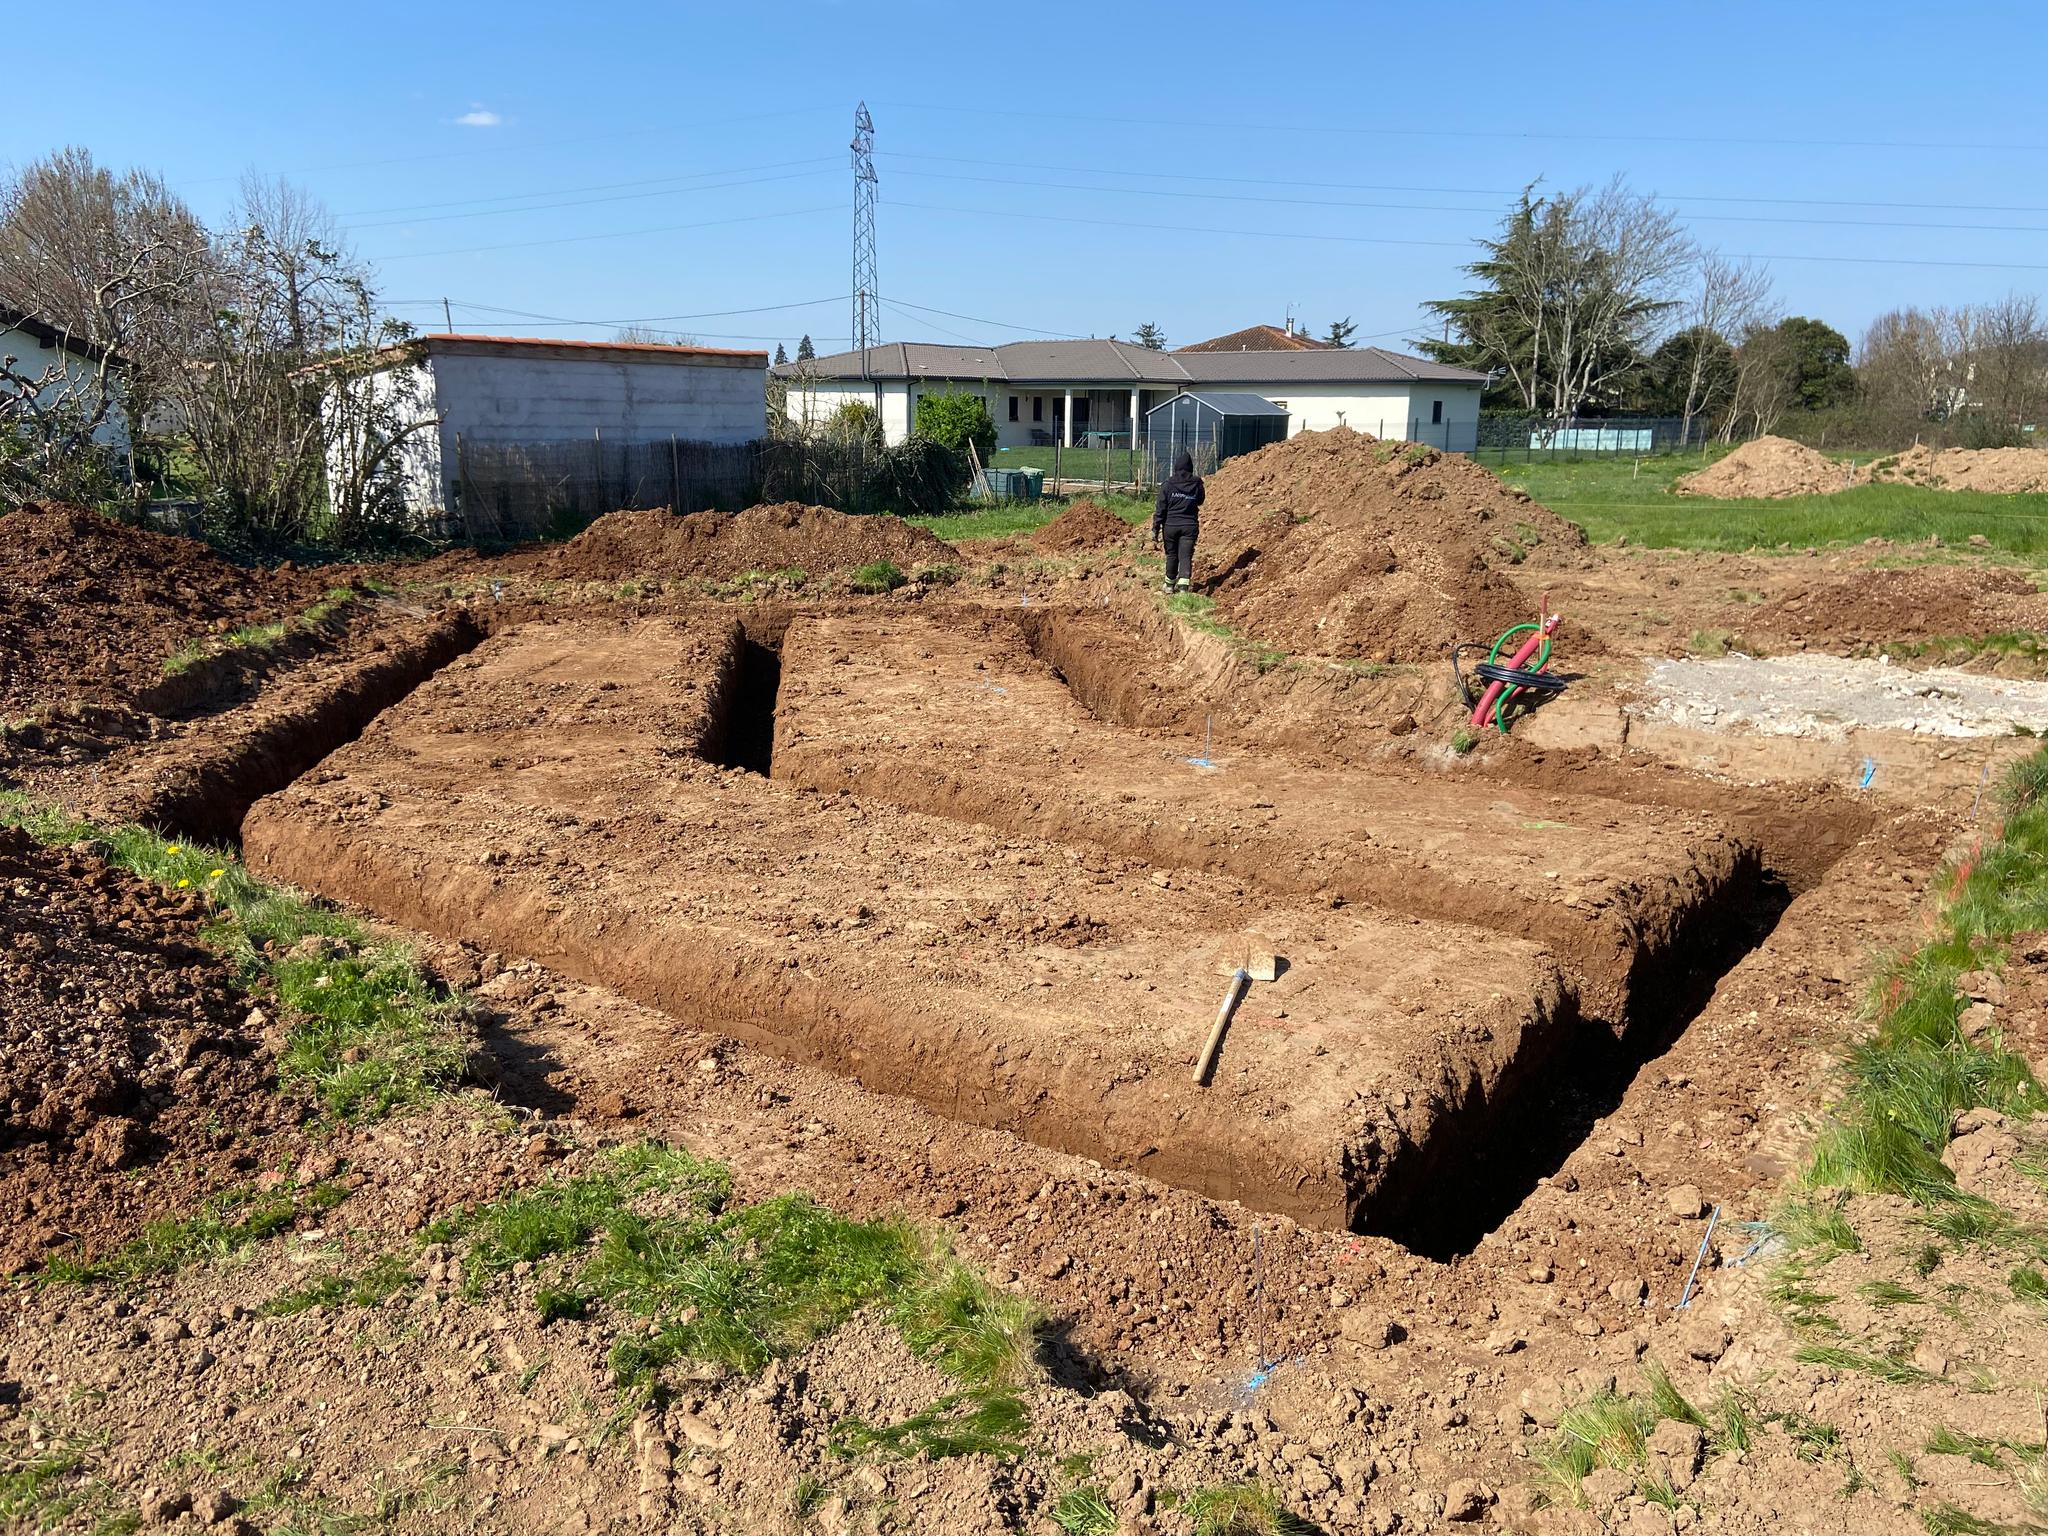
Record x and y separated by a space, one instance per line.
506 492
1501 438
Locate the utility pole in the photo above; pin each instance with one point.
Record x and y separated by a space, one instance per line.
867 326
447 318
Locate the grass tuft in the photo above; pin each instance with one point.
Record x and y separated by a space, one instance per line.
1083 1511
1240 1509
877 576
224 1225
369 1034
973 1423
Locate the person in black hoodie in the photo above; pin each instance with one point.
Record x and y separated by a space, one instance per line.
1177 517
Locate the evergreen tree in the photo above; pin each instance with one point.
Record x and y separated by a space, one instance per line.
781 356
805 352
1150 337
1340 332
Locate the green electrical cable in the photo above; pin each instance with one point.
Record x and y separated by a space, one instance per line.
1542 660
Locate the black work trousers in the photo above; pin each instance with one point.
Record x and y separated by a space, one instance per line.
1180 539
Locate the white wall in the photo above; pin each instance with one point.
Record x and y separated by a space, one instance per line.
32 360
1389 410
1392 410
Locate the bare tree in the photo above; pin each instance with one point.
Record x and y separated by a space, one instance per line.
108 261
640 335
1728 298
1764 387
2011 359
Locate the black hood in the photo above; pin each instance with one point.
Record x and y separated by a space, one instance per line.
1184 467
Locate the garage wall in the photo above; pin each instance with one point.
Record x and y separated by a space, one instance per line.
515 397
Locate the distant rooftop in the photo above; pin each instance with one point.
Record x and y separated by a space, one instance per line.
1260 338
1121 363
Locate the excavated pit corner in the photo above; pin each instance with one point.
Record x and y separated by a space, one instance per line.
617 798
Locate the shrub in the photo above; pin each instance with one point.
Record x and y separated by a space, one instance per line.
954 421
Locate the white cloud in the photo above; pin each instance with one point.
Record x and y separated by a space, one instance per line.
480 116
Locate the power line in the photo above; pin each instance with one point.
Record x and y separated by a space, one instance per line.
1434 132
602 186
527 314
1366 186
1317 202
1281 234
617 234
980 319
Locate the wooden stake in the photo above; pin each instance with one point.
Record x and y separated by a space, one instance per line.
1239 980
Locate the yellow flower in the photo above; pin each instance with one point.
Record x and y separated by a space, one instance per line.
183 883
216 874
174 848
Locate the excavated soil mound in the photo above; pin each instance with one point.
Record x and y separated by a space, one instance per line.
119 1036
1876 607
1769 467
89 608
1084 525
2000 471
718 546
1334 543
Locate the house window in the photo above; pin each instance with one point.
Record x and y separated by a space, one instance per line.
1013 407
1038 407
1436 413
1281 404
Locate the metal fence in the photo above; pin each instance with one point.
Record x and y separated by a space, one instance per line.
505 492
1507 438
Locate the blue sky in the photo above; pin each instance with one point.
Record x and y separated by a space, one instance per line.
1065 169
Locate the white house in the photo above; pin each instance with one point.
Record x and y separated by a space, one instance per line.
60 366
476 393
1091 391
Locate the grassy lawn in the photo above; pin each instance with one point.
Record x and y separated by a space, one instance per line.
1614 498
1013 517
1075 463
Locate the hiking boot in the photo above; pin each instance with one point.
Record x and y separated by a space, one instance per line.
1184 585
1166 587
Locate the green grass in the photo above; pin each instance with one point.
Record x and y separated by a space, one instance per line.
1891 1369
369 1032
1907 1081
384 1278
1198 611
1007 519
1609 499
1240 1509
1888 1293
1613 1430
224 1225
1111 464
876 577
980 1422
256 639
648 1234
1083 1511
39 1488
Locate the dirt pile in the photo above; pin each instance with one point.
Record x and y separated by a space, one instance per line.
119 1036
1082 526
89 608
1769 467
1334 543
2000 471
1879 607
718 546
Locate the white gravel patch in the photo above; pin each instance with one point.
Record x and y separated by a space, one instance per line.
1824 698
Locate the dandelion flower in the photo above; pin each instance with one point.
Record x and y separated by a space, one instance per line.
183 883
174 848
215 874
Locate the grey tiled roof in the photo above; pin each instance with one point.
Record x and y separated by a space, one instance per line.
1110 363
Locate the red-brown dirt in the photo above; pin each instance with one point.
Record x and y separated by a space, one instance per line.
1335 544
1998 471
122 1040
1876 607
1769 467
543 789
719 546
962 718
90 608
1083 526
1377 1385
